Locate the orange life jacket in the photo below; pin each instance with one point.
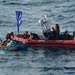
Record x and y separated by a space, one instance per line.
26 36
55 29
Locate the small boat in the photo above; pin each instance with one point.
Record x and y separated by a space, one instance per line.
13 45
47 43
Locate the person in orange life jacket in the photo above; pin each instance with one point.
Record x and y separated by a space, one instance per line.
56 28
26 36
33 36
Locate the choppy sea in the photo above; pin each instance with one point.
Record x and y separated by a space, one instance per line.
34 60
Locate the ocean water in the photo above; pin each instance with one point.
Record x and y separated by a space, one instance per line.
37 61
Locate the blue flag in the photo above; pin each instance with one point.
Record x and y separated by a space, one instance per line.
18 18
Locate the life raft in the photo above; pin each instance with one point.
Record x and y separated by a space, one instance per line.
52 43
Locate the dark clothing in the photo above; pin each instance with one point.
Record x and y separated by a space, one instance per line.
35 36
73 33
8 36
26 36
54 34
57 31
46 34
57 28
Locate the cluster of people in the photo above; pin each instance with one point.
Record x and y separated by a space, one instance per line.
54 34
31 36
26 35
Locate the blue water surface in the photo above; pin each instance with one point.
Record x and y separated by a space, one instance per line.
35 60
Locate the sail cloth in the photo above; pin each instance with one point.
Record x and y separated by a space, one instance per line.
18 18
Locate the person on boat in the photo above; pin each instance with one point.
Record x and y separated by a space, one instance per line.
8 36
54 34
67 36
47 33
74 35
56 28
33 36
12 34
26 35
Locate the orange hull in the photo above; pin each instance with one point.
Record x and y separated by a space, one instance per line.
56 43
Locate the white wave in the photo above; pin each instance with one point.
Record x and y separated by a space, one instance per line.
2 52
